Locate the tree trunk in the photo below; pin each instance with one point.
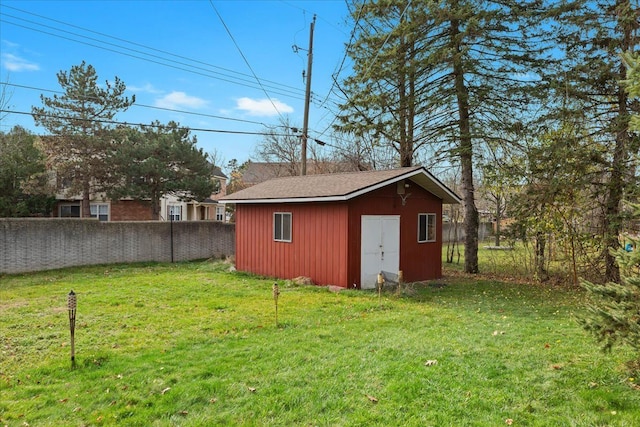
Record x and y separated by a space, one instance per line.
155 208
406 98
498 219
465 151
617 183
86 201
541 271
615 187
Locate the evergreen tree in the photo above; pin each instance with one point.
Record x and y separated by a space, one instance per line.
614 314
78 121
159 160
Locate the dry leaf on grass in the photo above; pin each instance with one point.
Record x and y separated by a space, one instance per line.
252 389
165 390
184 412
509 421
372 399
430 363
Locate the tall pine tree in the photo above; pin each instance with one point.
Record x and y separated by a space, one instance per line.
78 122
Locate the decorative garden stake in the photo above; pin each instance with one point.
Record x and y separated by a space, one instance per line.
71 305
379 285
276 293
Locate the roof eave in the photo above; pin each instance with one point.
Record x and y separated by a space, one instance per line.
437 188
289 200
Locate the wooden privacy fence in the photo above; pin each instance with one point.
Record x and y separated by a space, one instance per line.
35 244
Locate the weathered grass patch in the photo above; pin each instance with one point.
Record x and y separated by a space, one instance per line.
192 345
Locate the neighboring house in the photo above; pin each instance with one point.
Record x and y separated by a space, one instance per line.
343 229
171 208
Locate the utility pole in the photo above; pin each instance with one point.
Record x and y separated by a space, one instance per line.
307 99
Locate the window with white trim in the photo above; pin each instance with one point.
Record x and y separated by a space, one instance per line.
175 212
426 228
100 211
282 226
219 213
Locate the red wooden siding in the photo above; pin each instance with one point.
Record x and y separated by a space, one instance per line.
418 261
318 247
326 237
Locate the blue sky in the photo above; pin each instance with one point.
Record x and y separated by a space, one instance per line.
178 55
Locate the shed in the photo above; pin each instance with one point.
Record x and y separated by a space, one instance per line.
343 229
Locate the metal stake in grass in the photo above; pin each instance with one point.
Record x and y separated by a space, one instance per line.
276 293
71 306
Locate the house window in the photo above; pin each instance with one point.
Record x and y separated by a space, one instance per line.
282 226
219 213
175 213
69 211
100 211
426 228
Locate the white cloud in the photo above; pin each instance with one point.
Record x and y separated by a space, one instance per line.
180 99
10 44
148 88
15 63
262 107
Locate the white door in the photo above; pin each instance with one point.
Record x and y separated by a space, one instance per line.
380 247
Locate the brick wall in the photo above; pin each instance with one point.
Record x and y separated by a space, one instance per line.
130 210
35 244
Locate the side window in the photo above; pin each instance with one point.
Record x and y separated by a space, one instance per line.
426 228
219 213
69 211
282 226
100 211
175 213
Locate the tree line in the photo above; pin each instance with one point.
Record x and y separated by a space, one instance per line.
86 152
527 100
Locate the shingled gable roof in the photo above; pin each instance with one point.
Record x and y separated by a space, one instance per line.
337 187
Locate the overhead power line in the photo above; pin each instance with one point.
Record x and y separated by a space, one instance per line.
233 72
204 68
245 59
164 62
159 126
145 106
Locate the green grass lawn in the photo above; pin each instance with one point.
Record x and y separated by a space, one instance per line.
194 345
